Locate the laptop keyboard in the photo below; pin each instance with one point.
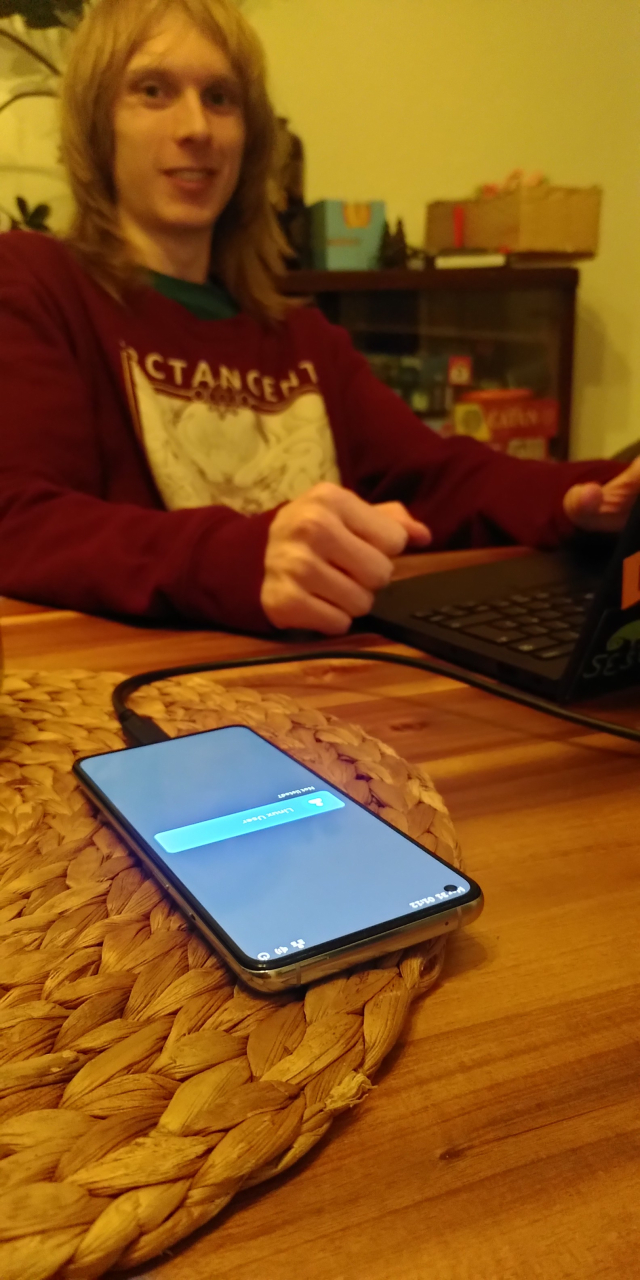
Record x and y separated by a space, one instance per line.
545 624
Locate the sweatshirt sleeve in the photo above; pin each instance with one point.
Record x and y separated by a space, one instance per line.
61 543
467 493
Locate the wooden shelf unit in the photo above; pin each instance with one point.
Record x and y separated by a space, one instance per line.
517 322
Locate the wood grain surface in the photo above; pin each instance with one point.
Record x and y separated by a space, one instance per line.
504 1141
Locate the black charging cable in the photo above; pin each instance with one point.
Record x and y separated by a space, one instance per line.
141 730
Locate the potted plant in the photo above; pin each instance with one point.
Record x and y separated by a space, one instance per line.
36 31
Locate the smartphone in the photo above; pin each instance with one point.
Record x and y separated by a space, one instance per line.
286 876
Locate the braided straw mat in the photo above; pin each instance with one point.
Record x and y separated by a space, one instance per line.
141 1085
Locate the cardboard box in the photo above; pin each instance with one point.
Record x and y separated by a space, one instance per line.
445 225
541 219
518 424
346 237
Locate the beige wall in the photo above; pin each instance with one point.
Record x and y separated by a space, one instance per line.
411 100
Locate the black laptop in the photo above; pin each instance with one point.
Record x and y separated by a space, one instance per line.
564 625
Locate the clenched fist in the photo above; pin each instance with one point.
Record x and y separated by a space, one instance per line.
328 553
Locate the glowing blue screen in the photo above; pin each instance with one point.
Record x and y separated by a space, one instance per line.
277 856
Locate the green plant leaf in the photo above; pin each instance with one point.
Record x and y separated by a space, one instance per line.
39 15
40 212
23 207
68 6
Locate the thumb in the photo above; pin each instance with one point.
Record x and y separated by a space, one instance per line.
582 502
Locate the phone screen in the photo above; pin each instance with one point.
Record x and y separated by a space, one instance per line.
281 860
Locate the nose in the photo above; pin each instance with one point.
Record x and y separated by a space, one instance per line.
191 120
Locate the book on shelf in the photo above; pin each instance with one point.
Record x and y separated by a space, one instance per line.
473 258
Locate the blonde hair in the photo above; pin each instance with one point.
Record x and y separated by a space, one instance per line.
247 244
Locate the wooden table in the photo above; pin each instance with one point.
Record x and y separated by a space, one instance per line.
503 1142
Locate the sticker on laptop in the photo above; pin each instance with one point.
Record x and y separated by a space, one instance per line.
618 654
631 581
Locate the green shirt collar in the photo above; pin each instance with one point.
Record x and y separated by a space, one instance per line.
209 301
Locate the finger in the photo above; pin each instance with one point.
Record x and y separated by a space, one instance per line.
315 576
419 533
371 524
335 544
325 618
622 489
298 610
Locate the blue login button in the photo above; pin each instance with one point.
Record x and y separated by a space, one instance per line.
179 839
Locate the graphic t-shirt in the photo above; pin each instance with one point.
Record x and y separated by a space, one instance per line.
250 445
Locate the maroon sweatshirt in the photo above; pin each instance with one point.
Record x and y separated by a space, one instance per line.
82 522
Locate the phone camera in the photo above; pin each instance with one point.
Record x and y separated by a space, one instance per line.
451 888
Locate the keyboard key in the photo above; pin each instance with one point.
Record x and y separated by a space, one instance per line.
548 615
519 599
531 646
537 631
568 635
446 620
451 610
422 614
483 617
496 634
541 595
557 651
516 611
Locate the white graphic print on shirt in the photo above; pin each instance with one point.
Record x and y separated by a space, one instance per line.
247 443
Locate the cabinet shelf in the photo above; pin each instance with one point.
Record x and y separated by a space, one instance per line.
463 334
516 322
433 278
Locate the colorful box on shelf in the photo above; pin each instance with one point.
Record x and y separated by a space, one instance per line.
509 420
427 383
346 236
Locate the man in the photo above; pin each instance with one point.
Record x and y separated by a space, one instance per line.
178 441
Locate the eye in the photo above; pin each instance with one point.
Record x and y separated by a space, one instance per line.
222 97
150 90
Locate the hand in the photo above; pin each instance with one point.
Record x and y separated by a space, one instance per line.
603 508
328 553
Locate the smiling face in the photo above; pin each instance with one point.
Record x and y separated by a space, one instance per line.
179 138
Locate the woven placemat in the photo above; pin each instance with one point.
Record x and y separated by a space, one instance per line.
141 1085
